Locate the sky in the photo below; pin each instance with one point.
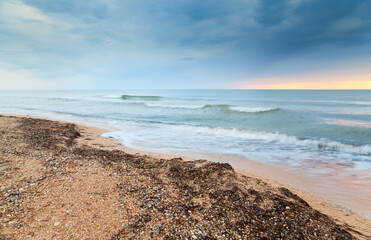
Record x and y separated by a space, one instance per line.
185 44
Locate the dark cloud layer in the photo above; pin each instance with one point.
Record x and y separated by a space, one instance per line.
209 40
287 25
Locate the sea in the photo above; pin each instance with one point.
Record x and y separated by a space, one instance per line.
317 132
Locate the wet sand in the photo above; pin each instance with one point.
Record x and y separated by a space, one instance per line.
62 181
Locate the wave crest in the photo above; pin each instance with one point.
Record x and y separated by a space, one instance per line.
173 106
253 109
242 109
131 97
221 107
280 138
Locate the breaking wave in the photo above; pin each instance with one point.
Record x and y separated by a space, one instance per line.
240 109
253 109
220 107
173 106
134 97
319 144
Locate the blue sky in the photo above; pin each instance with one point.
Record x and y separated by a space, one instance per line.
118 44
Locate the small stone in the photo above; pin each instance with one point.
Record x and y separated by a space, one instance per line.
57 224
21 190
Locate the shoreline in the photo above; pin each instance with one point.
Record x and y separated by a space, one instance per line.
339 213
92 136
300 182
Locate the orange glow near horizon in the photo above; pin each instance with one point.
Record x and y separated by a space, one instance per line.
317 85
325 80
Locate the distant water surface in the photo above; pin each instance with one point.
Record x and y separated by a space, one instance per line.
324 132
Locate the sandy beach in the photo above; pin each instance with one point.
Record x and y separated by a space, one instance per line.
65 181
185 119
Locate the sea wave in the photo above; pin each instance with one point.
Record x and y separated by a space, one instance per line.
225 107
240 109
134 97
280 138
253 109
174 106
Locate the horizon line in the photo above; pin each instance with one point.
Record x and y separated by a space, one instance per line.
135 89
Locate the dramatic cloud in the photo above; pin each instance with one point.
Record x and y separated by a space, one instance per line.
178 44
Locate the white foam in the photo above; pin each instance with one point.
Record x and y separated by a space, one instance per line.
174 106
252 109
319 144
232 108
